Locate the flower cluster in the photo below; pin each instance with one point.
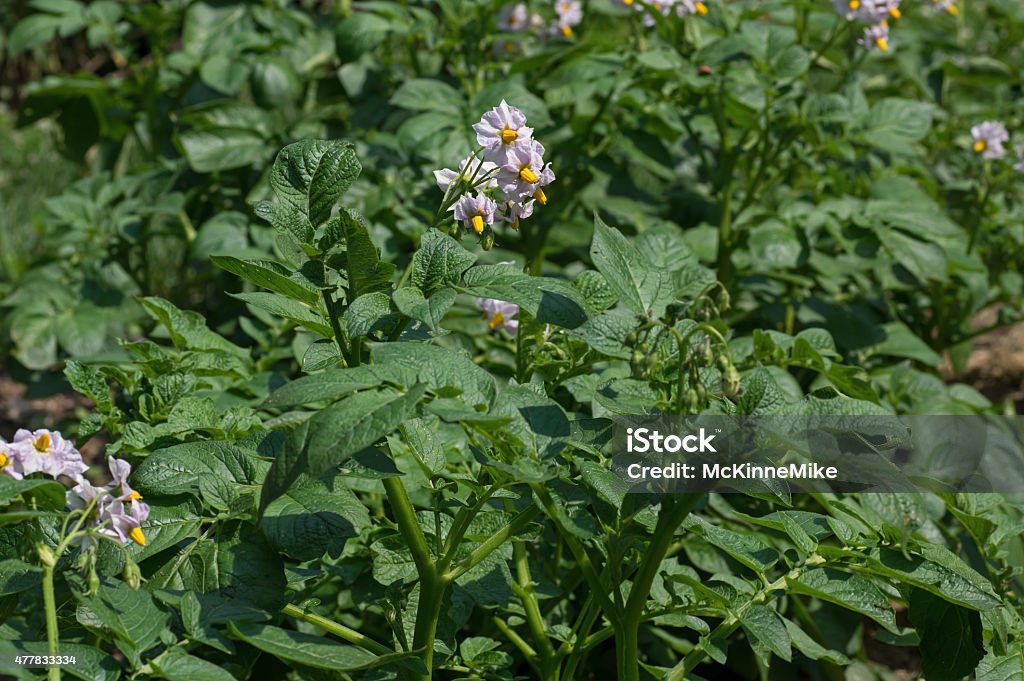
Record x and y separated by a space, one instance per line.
875 13
990 139
517 19
113 511
506 181
681 8
499 314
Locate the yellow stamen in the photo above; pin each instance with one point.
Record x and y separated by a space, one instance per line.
3 460
627 3
980 146
895 13
884 24
567 31
702 9
134 496
952 9
478 224
515 221
541 196
883 44
42 443
510 46
656 5
854 4
497 320
528 175
137 536
508 136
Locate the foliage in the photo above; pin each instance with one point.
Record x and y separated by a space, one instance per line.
349 474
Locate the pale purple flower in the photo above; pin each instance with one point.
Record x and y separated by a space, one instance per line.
868 11
499 314
10 460
876 36
475 211
514 211
116 510
501 130
525 173
472 171
570 13
1019 165
46 451
989 138
685 8
537 23
513 18
947 6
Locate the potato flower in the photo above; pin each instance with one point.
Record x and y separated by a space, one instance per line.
514 18
10 461
570 13
876 36
499 314
114 510
1019 165
475 211
989 138
947 6
502 130
472 172
46 451
525 173
514 211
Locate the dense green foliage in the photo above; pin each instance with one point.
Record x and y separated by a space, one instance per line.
350 474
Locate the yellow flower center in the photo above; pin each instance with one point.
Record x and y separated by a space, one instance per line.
137 536
884 24
510 46
567 31
508 135
702 9
952 9
541 196
528 174
627 3
134 496
883 44
497 320
656 5
42 443
895 13
4 460
478 223
854 4
980 146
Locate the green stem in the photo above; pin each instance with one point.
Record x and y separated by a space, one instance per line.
428 611
408 525
52 631
339 630
492 543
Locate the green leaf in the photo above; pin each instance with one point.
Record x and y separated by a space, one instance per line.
90 382
550 301
439 262
336 433
177 665
50 494
286 219
849 591
938 571
748 549
639 286
268 275
290 309
429 311
318 652
365 270
330 385
314 517
1009 667
187 328
217 149
368 313
811 648
17 576
894 124
428 94
764 626
445 371
91 664
951 636
182 468
900 341
131 614
311 175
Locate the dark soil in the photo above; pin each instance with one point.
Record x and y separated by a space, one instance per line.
996 364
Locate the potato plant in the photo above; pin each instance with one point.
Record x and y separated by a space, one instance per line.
357 292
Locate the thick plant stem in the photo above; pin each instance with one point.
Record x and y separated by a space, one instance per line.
432 583
339 630
52 632
673 513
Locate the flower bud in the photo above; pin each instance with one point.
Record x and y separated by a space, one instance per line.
46 555
731 381
488 241
132 575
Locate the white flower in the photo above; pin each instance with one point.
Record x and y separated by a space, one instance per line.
472 171
501 130
513 18
685 8
876 36
10 461
570 13
1019 165
947 6
475 211
46 451
499 314
525 173
868 11
989 138
116 510
514 211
